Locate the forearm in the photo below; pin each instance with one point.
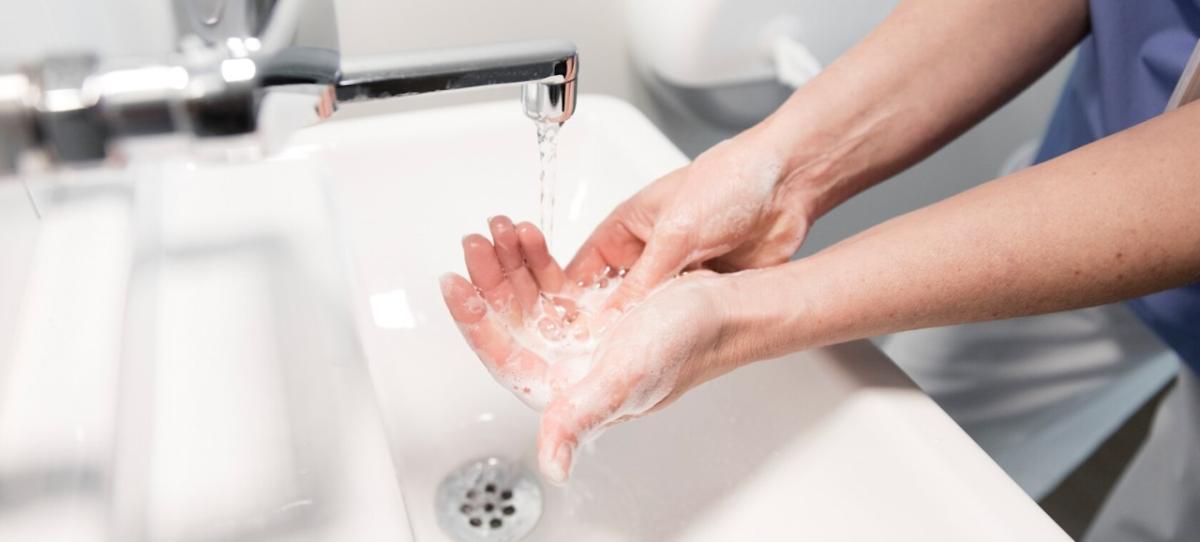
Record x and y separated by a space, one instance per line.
1114 220
930 71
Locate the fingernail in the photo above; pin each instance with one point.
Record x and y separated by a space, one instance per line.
448 283
560 466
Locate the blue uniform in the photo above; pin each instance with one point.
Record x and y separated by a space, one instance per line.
1127 68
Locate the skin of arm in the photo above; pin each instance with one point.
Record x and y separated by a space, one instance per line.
932 70
929 72
1113 220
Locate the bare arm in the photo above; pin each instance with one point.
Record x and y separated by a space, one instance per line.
933 69
1114 220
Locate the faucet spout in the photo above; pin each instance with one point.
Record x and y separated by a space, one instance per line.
546 68
549 102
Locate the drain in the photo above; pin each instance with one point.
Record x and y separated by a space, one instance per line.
489 499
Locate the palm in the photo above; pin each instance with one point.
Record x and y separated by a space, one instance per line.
538 330
532 324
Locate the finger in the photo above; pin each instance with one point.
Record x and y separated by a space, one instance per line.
588 263
466 307
511 364
508 251
487 275
546 271
664 257
612 245
573 417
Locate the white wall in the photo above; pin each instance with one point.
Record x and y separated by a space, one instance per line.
29 29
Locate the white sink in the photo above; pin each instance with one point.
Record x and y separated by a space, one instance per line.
831 444
184 367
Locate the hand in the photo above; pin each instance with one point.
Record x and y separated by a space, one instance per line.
726 211
664 346
520 311
545 338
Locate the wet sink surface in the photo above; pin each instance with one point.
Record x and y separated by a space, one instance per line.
832 444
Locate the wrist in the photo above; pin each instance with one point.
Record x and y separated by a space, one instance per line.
762 160
825 153
764 313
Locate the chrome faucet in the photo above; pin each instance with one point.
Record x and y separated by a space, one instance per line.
546 68
230 55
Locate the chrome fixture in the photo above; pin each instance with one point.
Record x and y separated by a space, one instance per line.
230 55
488 500
545 68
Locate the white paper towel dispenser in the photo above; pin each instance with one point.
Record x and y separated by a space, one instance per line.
732 62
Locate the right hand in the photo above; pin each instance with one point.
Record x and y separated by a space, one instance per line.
728 210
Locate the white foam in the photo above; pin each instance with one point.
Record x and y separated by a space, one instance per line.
576 339
566 347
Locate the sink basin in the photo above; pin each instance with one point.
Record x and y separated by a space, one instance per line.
184 368
830 444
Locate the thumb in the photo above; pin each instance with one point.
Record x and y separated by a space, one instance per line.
664 257
572 418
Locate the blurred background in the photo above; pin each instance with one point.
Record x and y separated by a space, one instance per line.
700 70
662 58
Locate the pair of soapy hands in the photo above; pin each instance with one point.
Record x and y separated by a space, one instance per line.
653 337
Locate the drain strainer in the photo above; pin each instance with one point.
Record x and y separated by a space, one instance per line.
490 499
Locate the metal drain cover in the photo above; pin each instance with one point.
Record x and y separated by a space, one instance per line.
490 499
